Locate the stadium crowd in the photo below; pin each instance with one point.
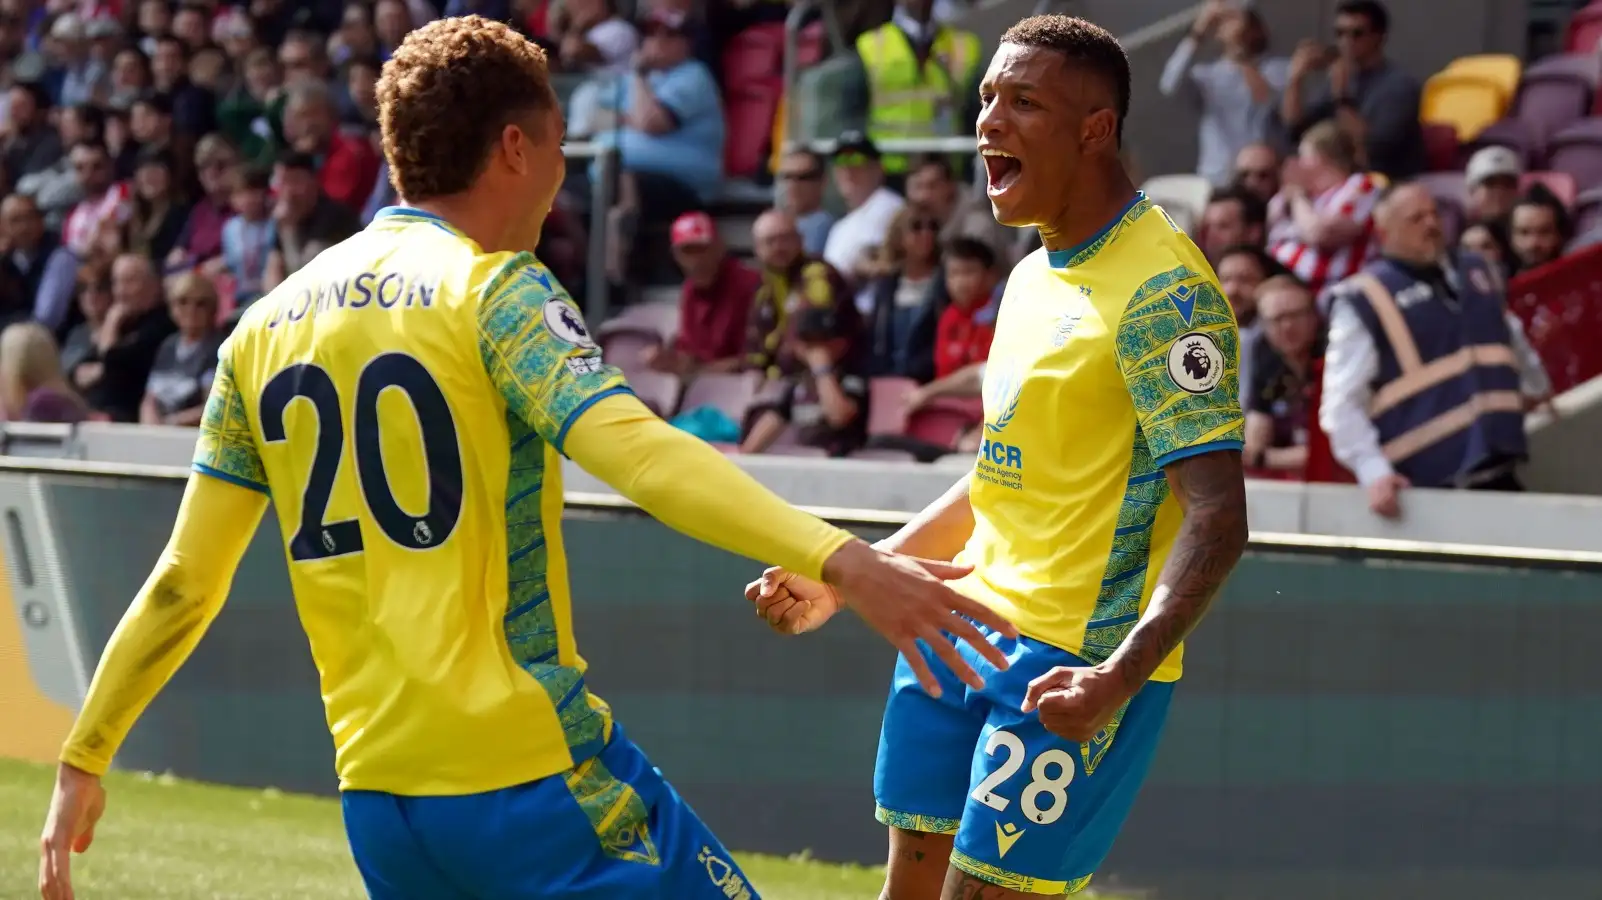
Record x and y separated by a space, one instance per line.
164 164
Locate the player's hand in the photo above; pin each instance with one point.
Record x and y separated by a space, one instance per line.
906 600
791 603
1076 703
75 807
1385 496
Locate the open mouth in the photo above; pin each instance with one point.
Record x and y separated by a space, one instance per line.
1002 168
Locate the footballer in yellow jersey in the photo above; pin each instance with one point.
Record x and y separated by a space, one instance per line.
405 400
1104 510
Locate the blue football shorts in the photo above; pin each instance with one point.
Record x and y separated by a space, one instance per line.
609 828
1029 810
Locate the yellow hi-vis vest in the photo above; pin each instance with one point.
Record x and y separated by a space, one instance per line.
904 102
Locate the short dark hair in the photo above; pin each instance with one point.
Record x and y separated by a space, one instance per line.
932 161
445 96
94 145
1372 10
255 178
158 101
294 159
970 249
1084 44
1540 195
172 39
1265 261
1253 210
35 90
92 117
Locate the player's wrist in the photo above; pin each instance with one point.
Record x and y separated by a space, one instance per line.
843 564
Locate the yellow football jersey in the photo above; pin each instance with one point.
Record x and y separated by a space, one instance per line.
403 399
1110 360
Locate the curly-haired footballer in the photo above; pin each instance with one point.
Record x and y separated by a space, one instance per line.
405 400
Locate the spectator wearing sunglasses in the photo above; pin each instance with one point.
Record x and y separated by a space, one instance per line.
801 175
1373 100
904 301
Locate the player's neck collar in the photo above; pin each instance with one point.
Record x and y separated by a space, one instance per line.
412 212
1081 253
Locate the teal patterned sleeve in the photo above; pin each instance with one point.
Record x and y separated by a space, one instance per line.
227 448
1179 351
538 351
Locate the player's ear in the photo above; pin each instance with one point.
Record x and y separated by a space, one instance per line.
1100 130
515 146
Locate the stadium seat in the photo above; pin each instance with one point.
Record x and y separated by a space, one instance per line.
942 422
1503 69
661 319
1588 211
1183 196
755 53
730 393
1466 101
812 45
1522 137
749 108
884 454
1557 91
1584 33
627 348
1440 147
1561 184
657 390
887 405
1577 150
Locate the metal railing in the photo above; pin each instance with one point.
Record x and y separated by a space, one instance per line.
602 184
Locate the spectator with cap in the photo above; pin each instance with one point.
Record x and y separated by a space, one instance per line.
1257 168
714 304
1492 176
306 220
32 256
821 394
29 143
669 136
921 76
1233 216
870 205
1238 94
791 281
800 177
346 163
1372 99
1276 399
1540 227
78 77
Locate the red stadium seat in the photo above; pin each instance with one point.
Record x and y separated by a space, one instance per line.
811 45
657 390
887 405
1556 91
749 108
1585 30
1561 184
942 422
1321 464
1440 146
661 319
1560 305
730 393
755 53
627 348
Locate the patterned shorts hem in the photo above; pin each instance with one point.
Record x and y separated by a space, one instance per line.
1015 881
915 822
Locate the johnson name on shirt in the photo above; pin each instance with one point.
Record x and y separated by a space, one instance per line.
368 290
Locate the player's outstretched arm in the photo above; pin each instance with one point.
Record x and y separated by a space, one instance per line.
184 592
693 488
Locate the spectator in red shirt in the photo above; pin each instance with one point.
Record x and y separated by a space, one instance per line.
963 335
715 304
347 164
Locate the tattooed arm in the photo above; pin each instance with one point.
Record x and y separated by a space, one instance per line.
186 589
1211 488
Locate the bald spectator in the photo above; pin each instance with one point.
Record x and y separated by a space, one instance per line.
714 304
801 175
1257 170
1233 216
348 164
1492 175
791 281
45 271
1373 100
126 343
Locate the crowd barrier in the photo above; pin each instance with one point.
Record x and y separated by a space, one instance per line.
1358 719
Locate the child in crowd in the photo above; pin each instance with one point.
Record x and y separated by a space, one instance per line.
248 236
